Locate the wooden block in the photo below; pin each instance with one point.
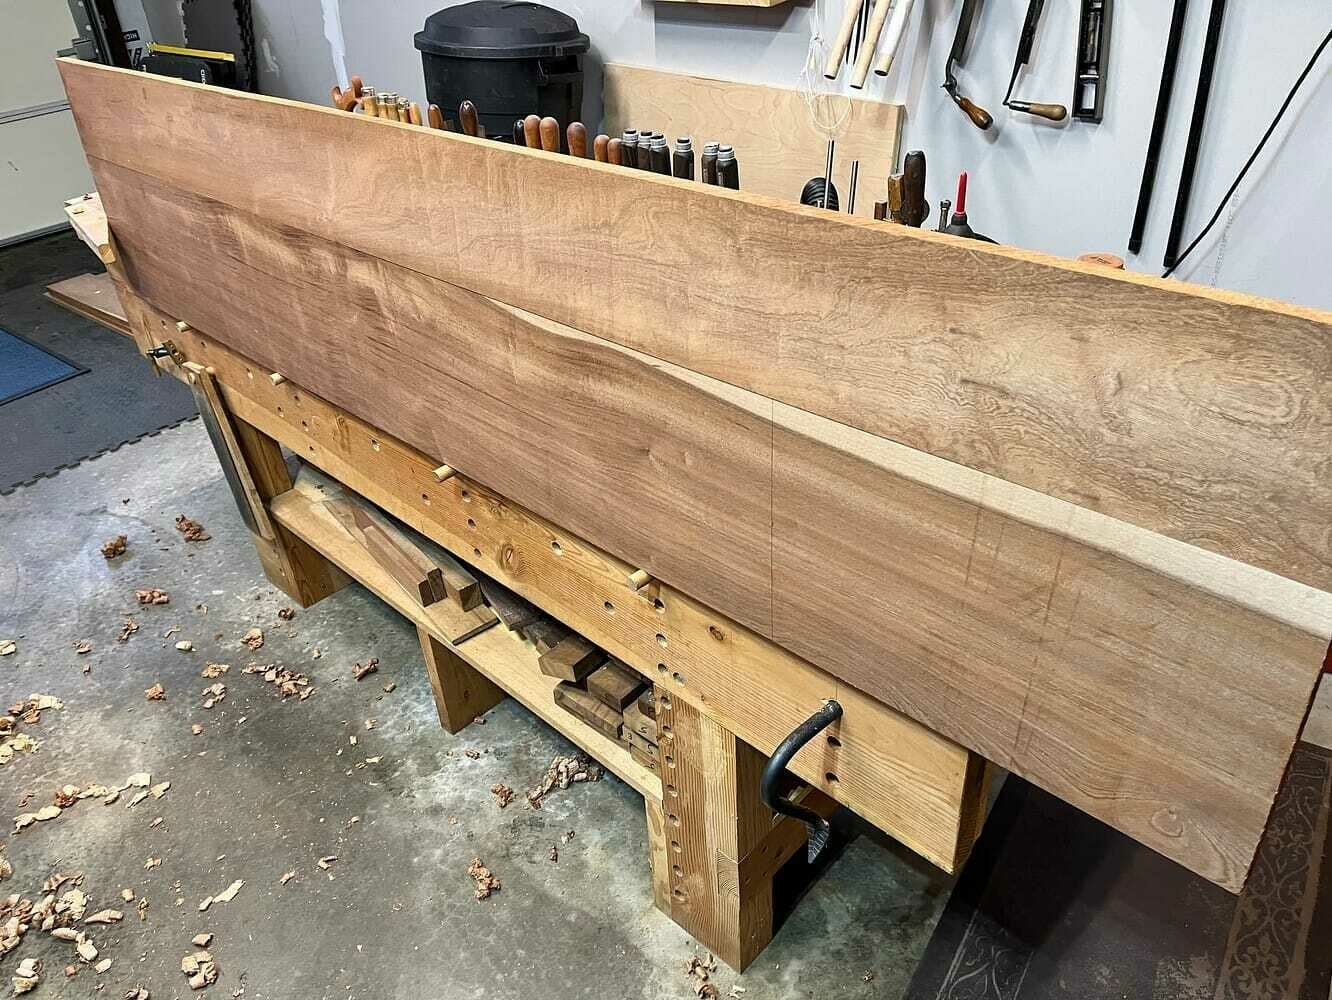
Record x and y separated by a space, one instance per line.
615 684
647 704
459 582
516 613
546 634
647 760
595 713
637 721
392 553
572 660
643 744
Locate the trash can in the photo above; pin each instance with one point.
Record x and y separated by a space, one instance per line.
510 59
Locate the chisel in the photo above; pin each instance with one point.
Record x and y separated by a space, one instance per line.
728 168
629 147
532 131
468 122
436 118
388 105
659 155
414 110
576 136
405 110
645 140
600 145
682 158
519 135
368 102
708 163
613 149
550 135
915 209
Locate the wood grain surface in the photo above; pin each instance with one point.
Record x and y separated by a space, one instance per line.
1199 414
775 140
1164 710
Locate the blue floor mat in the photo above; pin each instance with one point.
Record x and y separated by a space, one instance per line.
26 368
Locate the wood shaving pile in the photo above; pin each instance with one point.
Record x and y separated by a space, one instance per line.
152 596
503 794
213 694
699 971
27 976
254 638
155 693
27 712
200 969
370 666
288 682
192 530
214 670
114 547
68 795
486 882
563 772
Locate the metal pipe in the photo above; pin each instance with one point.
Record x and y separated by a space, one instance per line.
1158 124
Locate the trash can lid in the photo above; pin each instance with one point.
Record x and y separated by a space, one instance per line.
500 29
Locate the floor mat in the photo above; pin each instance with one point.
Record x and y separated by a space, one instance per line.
1055 905
26 368
119 400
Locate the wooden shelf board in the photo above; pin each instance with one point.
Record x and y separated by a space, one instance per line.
500 655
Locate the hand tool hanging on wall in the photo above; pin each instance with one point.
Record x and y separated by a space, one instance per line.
550 135
1093 54
468 120
708 163
600 147
728 168
1052 112
1210 46
915 209
866 58
892 38
576 138
1158 124
978 115
682 158
959 225
862 26
346 100
850 19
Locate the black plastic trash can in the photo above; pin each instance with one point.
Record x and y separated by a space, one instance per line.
508 57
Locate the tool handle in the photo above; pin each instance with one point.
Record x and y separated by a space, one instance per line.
467 119
896 196
576 134
613 151
869 43
532 131
519 136
550 135
1051 112
892 39
346 100
838 51
770 780
914 207
981 118
415 113
599 146
434 116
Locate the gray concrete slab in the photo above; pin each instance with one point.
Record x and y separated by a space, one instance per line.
271 786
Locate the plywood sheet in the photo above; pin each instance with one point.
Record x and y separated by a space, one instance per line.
775 139
1166 711
1197 414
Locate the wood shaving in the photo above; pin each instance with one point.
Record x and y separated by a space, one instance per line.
371 723
196 729
699 971
105 917
286 614
127 630
472 754
254 638
370 666
67 795
286 877
137 993
185 646
554 853
192 530
287 682
326 862
155 693
27 975
102 966
87 950
139 779
213 694
6 869
200 969
24 820
225 896
157 791
150 864
152 596
143 903
388 688
83 647
563 772
8 647
486 882
127 895
214 670
201 940
503 794
114 547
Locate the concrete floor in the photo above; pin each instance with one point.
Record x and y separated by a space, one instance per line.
271 786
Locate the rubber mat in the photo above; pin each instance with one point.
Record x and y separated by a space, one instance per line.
118 401
26 368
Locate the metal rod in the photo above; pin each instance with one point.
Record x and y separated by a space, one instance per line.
1158 124
1210 47
851 197
827 173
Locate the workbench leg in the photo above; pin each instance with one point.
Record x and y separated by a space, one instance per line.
461 692
290 565
720 839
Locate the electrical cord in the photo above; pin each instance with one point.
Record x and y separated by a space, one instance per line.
1252 157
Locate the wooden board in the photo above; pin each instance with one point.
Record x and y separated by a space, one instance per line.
1006 636
591 710
775 141
572 660
93 296
1195 413
614 684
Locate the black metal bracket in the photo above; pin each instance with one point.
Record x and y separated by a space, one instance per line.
816 825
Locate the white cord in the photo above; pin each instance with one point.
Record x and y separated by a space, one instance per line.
828 112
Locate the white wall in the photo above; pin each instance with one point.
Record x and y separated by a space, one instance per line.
1066 189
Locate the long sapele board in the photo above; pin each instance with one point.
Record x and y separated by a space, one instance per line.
1163 709
1196 413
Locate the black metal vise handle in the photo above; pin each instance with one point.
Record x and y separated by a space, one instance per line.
816 825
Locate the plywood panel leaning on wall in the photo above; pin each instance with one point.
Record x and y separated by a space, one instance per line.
1154 684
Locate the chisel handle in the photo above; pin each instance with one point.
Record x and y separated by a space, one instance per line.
838 51
870 41
468 121
532 131
550 135
981 118
434 116
414 112
600 145
613 151
346 100
370 104
576 135
1051 112
892 39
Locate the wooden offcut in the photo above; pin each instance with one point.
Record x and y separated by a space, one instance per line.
572 659
1196 413
92 296
590 709
775 139
615 685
